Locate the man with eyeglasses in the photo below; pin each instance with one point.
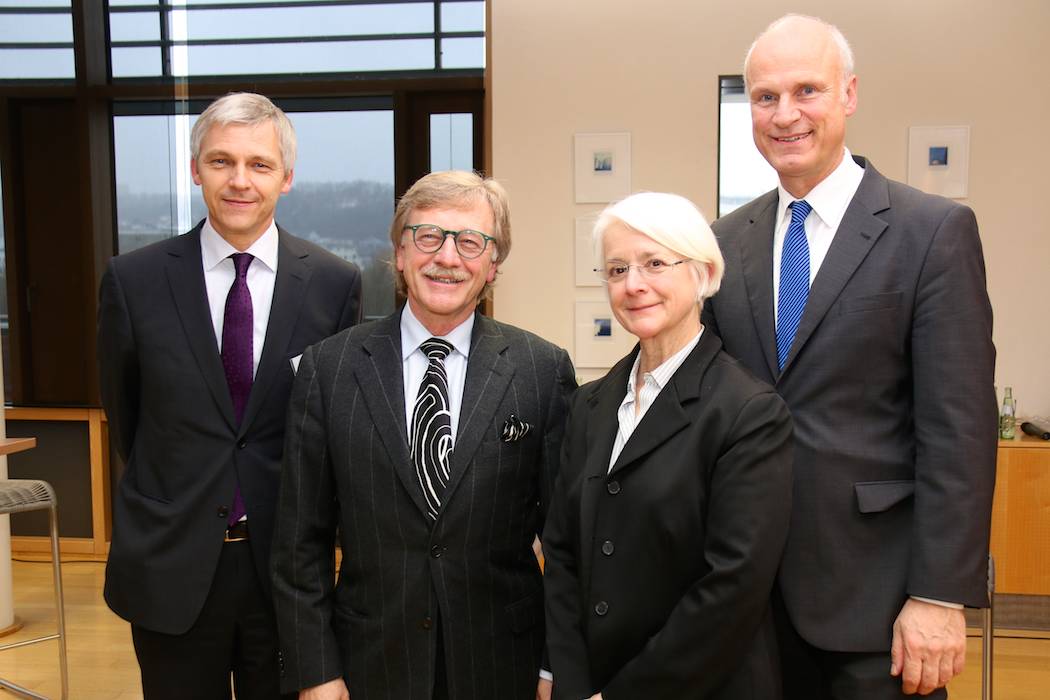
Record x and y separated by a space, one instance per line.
430 439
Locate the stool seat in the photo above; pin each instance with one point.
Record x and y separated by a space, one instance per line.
19 495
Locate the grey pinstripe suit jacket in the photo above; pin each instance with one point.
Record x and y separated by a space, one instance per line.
347 467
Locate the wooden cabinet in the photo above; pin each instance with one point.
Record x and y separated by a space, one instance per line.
1021 517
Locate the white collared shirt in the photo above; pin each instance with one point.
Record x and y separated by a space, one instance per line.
633 407
414 363
219 274
829 199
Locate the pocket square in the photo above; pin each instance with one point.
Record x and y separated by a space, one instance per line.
514 429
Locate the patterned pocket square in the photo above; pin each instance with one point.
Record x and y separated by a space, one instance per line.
515 429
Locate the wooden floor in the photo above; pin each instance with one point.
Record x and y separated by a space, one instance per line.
102 662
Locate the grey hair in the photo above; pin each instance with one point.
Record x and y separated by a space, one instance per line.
675 223
845 52
249 109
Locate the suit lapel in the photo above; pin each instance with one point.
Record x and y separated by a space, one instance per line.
668 415
185 272
488 375
293 275
381 380
756 253
857 233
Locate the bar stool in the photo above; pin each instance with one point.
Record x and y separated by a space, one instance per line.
19 496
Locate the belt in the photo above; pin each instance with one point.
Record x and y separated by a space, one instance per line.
238 532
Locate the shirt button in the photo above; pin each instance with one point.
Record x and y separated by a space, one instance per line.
223 512
608 548
436 551
613 487
242 444
427 623
601 607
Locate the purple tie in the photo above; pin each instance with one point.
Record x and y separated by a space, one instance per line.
237 358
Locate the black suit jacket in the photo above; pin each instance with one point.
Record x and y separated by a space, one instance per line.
889 381
171 416
659 571
472 574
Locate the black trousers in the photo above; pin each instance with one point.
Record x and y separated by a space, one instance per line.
235 635
810 673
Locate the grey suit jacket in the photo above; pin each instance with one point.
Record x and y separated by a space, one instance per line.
889 381
172 421
471 575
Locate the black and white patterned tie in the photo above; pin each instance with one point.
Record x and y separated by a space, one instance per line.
431 441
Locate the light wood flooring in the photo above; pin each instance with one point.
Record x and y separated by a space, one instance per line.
102 661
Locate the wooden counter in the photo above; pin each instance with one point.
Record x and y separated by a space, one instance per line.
1021 516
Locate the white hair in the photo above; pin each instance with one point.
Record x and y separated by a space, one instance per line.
675 223
845 52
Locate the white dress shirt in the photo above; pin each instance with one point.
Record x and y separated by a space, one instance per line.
829 199
414 363
634 406
219 274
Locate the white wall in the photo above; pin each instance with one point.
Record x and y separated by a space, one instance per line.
560 67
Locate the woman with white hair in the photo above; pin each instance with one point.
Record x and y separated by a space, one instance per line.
672 507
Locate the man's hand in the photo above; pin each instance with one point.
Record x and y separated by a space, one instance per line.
596 696
929 646
332 690
543 690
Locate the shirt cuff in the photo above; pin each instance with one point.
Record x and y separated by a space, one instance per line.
546 675
942 603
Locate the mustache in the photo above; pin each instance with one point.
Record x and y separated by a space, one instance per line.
436 271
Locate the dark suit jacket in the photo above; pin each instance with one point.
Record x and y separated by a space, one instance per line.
472 574
659 571
171 416
889 381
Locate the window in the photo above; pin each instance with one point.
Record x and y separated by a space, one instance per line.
743 173
342 197
36 39
5 339
193 38
451 142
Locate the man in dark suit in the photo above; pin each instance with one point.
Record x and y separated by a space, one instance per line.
196 339
863 301
430 439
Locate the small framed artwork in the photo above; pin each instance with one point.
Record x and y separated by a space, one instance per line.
602 167
586 257
939 160
600 340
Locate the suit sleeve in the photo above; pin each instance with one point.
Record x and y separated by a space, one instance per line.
303 557
117 362
353 306
566 644
714 623
953 364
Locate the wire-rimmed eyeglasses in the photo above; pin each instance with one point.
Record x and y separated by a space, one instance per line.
429 238
616 271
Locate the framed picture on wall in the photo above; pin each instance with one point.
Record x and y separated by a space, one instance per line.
602 164
939 160
600 340
585 257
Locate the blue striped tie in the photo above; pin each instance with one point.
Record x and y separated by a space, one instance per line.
794 280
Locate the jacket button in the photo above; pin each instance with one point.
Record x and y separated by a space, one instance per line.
436 551
427 622
601 607
223 512
613 487
242 444
608 548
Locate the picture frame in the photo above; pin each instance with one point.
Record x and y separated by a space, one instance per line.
939 160
602 167
600 340
584 252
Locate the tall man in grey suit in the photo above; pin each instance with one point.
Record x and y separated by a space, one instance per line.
863 302
430 440
195 338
